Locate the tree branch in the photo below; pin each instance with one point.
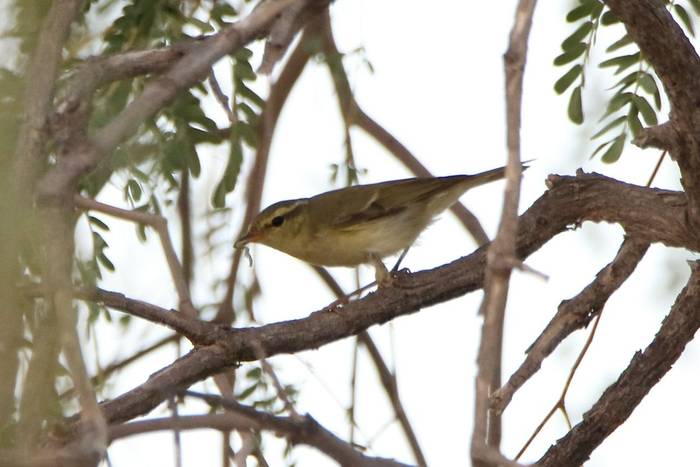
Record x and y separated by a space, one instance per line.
160 225
573 314
41 76
197 331
501 253
677 64
304 430
387 379
644 371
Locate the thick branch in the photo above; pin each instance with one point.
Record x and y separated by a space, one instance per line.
644 371
677 64
41 77
191 68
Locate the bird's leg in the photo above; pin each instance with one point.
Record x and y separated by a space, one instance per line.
401 257
381 273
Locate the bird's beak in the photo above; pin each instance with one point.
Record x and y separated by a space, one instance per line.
249 237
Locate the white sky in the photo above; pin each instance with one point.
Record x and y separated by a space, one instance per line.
438 86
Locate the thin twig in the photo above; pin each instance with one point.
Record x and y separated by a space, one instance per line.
656 168
198 331
184 210
221 97
160 225
573 314
560 403
645 370
385 376
304 430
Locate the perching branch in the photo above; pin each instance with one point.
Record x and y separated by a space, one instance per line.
570 201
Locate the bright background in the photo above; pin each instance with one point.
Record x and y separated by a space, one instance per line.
438 86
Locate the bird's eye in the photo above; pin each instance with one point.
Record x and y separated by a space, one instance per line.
277 221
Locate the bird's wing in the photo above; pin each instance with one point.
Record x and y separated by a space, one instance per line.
350 207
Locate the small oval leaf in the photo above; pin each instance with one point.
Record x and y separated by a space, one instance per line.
615 150
567 79
575 109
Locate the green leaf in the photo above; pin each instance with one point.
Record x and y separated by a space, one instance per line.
571 54
696 6
244 71
245 91
616 122
617 102
648 83
628 80
248 391
645 109
98 242
102 258
608 18
193 161
615 150
626 40
567 79
218 198
622 62
138 173
98 223
577 36
685 18
233 168
633 122
133 190
248 134
580 11
575 109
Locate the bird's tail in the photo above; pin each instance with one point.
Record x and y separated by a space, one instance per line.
492 175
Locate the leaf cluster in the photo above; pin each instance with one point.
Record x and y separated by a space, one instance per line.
636 97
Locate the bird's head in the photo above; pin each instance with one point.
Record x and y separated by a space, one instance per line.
277 225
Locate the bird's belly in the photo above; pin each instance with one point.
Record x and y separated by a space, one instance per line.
353 247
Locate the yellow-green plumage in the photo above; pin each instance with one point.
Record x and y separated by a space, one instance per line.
362 223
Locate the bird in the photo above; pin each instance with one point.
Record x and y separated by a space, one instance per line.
362 223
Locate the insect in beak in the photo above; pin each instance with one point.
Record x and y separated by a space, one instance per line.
246 239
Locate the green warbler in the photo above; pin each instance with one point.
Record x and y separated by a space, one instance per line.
362 223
